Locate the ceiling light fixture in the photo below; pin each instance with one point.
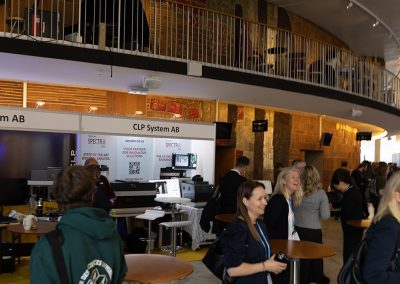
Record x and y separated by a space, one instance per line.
377 19
138 91
349 5
40 104
375 24
93 108
356 112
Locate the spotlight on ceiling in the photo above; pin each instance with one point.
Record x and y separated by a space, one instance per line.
349 5
356 112
375 24
138 91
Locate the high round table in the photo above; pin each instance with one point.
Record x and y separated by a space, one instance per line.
227 218
362 224
42 228
152 268
297 250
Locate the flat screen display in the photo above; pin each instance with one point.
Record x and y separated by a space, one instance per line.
184 161
181 160
167 187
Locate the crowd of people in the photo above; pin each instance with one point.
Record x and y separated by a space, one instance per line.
292 212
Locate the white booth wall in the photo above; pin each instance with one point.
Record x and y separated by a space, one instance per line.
140 158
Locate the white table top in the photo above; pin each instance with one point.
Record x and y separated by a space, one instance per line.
172 199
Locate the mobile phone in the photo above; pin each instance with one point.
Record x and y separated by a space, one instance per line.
281 257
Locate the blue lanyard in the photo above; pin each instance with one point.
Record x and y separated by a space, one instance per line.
264 242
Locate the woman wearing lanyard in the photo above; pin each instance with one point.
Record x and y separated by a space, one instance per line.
245 243
279 216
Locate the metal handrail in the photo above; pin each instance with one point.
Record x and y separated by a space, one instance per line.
174 31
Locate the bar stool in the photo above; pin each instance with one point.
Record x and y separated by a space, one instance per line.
150 215
174 225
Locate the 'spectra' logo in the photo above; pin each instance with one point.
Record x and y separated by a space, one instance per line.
97 272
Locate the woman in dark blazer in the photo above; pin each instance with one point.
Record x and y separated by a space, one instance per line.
383 238
279 216
245 242
351 208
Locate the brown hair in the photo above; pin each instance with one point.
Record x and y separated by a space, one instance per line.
246 191
74 188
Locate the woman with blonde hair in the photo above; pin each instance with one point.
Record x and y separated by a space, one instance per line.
314 205
383 238
279 216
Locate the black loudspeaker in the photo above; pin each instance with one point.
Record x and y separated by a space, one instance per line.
326 138
363 136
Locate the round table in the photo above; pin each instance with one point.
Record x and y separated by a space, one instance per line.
362 224
151 268
227 218
276 50
42 228
297 250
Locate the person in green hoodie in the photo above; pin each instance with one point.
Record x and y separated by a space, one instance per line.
92 248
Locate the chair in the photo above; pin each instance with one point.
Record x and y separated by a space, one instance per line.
150 215
174 225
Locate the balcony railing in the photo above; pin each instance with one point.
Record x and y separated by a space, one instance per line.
166 29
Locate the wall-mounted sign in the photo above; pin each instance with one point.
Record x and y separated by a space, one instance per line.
260 125
141 127
32 119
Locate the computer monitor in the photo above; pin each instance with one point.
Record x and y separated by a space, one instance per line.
167 187
184 161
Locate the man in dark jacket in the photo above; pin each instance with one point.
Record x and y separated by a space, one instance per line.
230 183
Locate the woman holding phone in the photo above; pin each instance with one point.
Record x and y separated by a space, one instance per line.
245 243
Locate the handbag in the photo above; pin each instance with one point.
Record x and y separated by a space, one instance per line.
214 259
351 272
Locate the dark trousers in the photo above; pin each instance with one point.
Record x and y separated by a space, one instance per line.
351 238
311 270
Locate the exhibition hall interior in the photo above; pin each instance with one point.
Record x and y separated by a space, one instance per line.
166 96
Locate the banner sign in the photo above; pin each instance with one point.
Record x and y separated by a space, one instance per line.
29 119
139 127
